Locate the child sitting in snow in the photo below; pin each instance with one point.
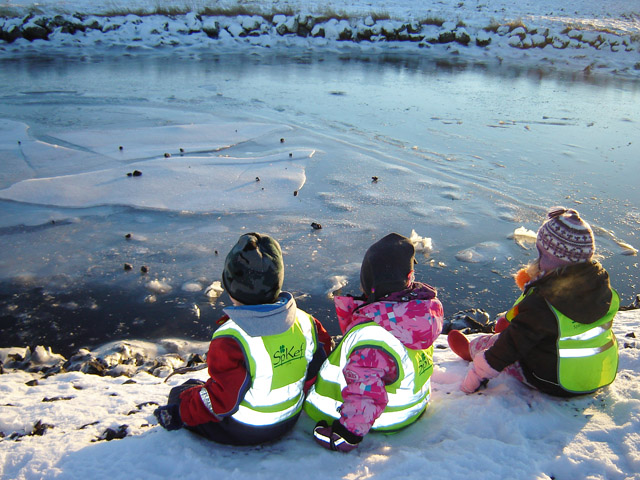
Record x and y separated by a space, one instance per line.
378 376
260 360
557 337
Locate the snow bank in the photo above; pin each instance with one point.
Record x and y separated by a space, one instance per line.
483 35
76 424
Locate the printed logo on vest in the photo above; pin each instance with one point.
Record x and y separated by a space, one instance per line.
423 363
287 354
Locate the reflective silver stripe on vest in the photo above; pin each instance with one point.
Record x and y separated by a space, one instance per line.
404 396
591 333
325 404
584 352
247 415
404 393
204 395
264 371
387 419
260 393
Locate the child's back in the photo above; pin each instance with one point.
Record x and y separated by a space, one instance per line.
558 336
379 375
259 360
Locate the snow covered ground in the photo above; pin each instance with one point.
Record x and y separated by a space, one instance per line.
76 425
582 36
206 176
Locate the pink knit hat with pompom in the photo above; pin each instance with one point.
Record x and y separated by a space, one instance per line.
564 239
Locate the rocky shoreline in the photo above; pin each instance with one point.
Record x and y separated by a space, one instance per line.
167 357
114 359
192 29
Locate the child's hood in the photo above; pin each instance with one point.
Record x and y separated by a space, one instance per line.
581 291
414 318
267 319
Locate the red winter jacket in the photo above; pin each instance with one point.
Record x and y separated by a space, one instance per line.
229 378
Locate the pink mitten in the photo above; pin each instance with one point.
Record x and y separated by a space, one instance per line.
479 371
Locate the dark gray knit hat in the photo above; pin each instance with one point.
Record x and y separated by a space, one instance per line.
253 270
387 266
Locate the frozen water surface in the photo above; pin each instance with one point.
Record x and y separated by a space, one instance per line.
228 144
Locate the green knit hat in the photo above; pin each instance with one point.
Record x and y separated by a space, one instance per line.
253 270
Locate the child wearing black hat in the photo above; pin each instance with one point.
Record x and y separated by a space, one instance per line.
378 377
557 337
261 360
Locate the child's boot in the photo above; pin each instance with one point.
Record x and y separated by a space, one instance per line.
459 344
501 324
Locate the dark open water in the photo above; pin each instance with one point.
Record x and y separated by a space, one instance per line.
499 146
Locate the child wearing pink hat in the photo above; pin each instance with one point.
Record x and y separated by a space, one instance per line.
557 337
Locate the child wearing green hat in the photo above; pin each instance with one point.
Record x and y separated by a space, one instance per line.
261 360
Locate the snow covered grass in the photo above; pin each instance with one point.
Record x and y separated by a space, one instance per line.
74 425
533 33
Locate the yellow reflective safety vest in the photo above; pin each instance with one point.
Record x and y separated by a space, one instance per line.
587 353
407 397
278 367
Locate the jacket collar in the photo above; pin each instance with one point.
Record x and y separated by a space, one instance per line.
267 319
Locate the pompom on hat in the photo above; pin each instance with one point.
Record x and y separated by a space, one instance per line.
253 270
387 266
563 239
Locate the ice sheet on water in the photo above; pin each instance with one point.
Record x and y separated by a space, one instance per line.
524 237
337 283
484 252
12 135
25 157
421 244
191 287
155 141
440 215
609 238
196 184
91 170
214 290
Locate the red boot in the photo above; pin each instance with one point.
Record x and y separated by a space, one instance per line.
459 344
501 324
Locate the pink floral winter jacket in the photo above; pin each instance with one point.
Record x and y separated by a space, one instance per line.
416 321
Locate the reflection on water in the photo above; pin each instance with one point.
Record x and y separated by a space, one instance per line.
471 151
